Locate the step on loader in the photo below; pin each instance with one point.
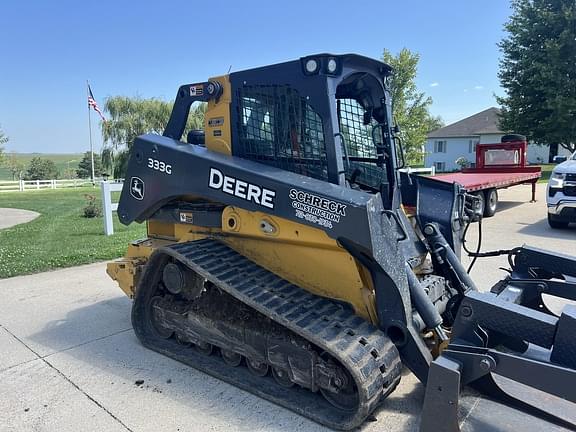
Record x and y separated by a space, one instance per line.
289 254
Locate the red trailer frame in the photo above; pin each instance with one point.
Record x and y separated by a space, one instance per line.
498 166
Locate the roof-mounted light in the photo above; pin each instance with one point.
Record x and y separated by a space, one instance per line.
312 66
332 66
323 64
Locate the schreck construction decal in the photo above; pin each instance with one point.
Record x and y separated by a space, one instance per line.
318 210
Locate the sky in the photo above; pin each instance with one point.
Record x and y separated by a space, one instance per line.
149 48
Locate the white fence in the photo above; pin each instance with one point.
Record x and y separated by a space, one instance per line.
28 185
107 205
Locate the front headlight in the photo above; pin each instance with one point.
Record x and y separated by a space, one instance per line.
557 180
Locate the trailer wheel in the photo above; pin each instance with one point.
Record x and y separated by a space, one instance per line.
481 205
491 202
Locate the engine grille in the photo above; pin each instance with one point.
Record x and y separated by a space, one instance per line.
570 190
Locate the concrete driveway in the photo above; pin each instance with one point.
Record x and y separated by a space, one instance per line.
10 217
69 360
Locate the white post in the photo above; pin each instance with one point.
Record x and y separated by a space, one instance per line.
37 184
433 170
107 208
21 185
53 184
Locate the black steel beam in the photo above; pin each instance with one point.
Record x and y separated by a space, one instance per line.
489 312
528 258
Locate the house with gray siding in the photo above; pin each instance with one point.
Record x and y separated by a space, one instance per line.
445 145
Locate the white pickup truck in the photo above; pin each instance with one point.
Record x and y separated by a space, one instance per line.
561 194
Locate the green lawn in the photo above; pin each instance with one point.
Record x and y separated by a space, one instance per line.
62 161
546 170
60 236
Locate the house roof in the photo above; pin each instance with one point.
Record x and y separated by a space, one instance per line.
484 122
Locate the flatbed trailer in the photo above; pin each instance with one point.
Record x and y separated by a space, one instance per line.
498 166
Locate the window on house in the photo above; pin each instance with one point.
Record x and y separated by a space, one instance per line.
440 146
472 145
440 166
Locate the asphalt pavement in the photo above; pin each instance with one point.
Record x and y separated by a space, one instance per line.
70 361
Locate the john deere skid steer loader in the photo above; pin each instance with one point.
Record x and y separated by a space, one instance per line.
287 254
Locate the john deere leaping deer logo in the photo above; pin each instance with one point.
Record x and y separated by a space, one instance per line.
137 188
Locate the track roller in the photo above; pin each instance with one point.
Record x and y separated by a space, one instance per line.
231 358
282 377
161 330
257 368
204 348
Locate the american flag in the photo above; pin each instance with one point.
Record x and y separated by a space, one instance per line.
92 104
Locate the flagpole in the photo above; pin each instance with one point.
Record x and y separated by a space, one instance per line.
90 133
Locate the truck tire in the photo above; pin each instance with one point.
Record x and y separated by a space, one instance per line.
556 224
512 138
490 202
481 206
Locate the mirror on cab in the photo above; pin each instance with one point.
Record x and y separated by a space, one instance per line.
559 159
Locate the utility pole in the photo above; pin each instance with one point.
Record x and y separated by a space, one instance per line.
90 132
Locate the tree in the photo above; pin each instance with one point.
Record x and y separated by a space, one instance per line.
15 167
538 72
130 117
3 140
409 105
435 122
41 169
84 169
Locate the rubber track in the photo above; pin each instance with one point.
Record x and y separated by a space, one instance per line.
366 352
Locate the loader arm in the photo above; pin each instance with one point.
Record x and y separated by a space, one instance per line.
511 333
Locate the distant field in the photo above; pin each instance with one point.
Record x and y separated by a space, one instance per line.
59 159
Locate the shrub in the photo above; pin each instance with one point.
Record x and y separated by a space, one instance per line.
462 162
91 209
